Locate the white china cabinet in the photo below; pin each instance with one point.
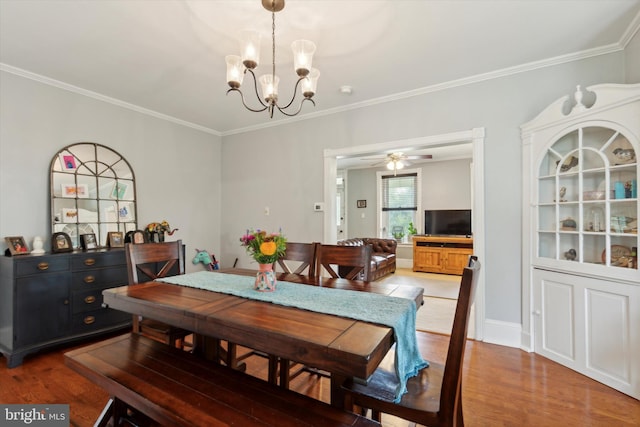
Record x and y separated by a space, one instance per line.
581 282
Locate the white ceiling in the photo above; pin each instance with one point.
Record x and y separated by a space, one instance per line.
166 57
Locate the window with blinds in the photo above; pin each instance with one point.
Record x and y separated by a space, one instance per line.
399 192
399 198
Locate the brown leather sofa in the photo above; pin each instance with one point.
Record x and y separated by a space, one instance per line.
383 257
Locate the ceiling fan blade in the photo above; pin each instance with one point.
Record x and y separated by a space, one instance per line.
423 156
380 163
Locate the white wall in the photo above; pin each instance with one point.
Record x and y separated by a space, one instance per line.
632 59
283 166
177 168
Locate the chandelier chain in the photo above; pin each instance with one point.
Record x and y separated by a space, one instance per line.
273 39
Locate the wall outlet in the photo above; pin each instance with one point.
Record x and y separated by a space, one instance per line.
318 207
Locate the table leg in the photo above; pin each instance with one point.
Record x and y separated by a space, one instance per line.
337 393
211 349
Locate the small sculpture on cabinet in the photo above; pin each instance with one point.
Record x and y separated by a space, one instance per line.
570 255
154 232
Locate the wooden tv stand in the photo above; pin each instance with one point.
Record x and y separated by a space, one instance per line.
441 254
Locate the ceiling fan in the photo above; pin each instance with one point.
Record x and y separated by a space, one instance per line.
399 160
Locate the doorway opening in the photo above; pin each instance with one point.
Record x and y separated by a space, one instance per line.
475 137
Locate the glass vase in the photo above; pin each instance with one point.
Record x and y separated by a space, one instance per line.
265 278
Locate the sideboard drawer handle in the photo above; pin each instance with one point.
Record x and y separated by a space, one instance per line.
89 261
43 266
90 299
89 320
89 279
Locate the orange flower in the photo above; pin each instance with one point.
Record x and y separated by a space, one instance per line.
268 248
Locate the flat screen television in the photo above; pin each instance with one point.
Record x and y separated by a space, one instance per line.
447 222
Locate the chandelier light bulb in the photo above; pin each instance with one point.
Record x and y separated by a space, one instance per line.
235 70
310 83
250 48
303 51
269 84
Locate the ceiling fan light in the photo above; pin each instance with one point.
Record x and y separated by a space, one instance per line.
391 165
399 165
303 51
250 48
269 85
235 70
310 83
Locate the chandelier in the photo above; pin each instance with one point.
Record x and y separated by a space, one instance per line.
238 66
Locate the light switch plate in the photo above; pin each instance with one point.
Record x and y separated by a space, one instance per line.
318 206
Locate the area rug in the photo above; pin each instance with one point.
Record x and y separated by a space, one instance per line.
434 285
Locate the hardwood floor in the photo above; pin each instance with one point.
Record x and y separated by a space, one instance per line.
501 387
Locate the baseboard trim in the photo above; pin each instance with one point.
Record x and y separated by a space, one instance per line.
502 333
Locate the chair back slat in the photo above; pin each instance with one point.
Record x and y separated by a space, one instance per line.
154 260
304 253
358 258
451 394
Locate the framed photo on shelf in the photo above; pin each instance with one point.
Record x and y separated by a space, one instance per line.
361 203
80 191
136 237
88 241
68 162
115 239
61 242
16 245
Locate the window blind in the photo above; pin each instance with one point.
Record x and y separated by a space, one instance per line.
399 192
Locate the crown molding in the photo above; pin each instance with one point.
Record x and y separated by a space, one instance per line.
631 31
71 88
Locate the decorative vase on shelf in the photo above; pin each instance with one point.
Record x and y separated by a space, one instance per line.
265 278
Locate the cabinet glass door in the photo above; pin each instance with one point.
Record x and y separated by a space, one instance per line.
587 209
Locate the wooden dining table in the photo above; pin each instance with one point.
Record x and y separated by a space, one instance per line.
342 346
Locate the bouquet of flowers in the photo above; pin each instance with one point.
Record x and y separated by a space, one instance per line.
263 247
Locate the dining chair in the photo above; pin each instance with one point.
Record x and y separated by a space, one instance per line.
150 261
357 259
302 253
434 396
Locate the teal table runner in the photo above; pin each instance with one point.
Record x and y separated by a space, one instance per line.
395 312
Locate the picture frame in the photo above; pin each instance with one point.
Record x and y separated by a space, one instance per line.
119 190
68 162
115 239
135 237
88 241
361 203
72 191
61 242
16 245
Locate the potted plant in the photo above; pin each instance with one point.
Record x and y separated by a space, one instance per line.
411 230
398 235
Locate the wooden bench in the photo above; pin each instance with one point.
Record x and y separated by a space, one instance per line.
176 388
